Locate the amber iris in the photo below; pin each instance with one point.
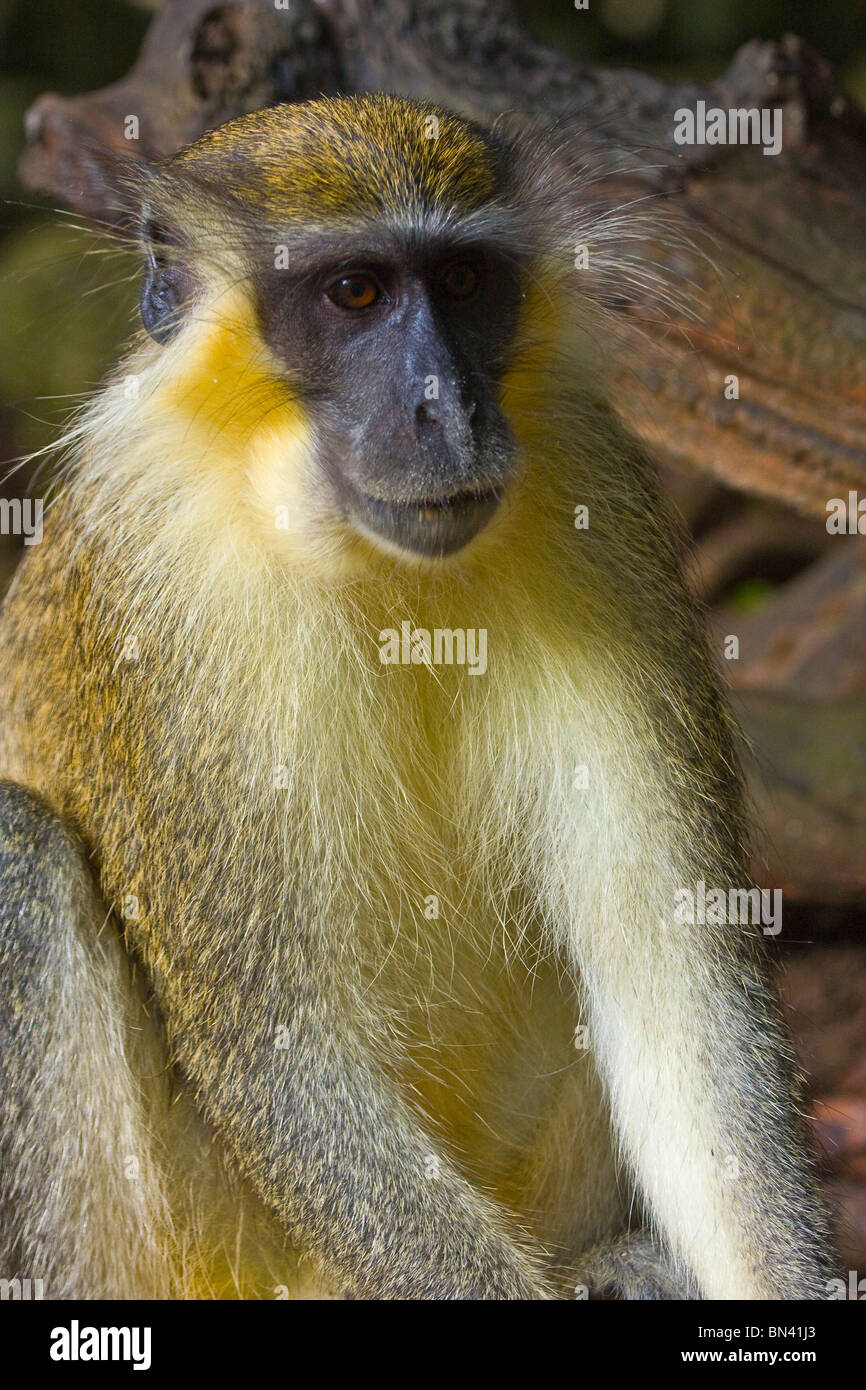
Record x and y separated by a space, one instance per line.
354 292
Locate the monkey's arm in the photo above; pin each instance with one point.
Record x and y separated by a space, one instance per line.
82 1206
688 1037
331 1147
684 1026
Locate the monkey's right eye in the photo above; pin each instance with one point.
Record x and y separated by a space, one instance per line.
354 292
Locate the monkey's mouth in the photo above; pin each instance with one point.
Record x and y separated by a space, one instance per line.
432 528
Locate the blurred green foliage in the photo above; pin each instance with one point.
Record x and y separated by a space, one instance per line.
750 595
67 301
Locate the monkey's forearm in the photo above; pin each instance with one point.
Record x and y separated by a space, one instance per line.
705 1108
350 1172
82 1202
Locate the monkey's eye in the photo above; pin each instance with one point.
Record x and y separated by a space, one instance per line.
459 280
354 292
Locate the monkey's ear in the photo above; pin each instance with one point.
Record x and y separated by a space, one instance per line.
168 284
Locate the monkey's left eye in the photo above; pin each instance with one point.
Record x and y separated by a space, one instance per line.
354 292
459 280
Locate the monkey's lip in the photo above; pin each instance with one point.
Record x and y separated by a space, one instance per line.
432 528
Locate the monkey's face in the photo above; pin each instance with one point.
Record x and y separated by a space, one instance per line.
397 352
386 297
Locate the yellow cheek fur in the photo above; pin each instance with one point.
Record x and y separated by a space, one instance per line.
228 386
229 420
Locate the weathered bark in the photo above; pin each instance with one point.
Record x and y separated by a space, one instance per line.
786 309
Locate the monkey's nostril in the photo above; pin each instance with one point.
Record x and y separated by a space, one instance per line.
426 415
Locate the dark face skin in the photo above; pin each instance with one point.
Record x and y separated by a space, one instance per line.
396 347
397 353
